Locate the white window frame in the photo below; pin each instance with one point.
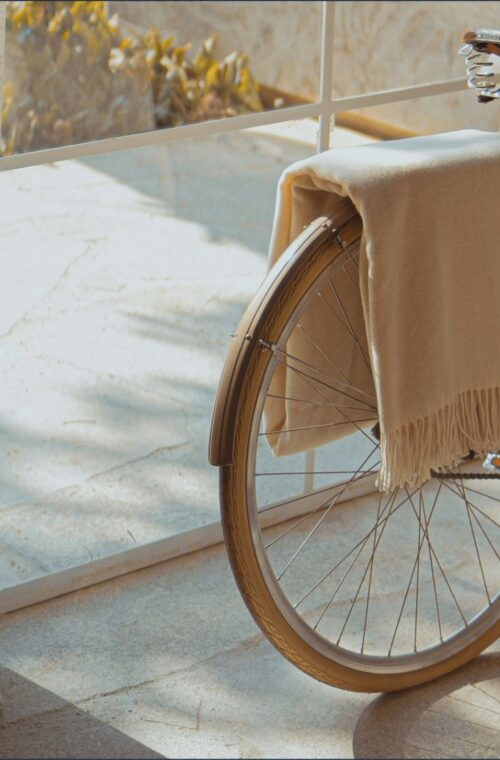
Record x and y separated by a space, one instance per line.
87 574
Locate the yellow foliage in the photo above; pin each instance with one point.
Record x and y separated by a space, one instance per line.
75 77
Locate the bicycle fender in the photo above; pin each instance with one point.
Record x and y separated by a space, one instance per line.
220 451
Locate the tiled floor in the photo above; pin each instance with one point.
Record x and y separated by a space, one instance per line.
167 661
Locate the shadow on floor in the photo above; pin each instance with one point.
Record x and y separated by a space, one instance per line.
226 183
455 716
39 724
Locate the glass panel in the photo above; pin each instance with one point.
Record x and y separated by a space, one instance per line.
386 45
81 71
123 277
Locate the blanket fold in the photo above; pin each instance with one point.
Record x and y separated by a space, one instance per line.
429 295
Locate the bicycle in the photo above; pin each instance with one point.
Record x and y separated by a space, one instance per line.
311 544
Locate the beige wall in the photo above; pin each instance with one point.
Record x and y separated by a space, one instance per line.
378 45
411 43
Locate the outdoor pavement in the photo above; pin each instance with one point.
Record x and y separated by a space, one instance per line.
124 276
167 662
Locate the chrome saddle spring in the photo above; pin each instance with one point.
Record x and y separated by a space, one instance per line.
480 77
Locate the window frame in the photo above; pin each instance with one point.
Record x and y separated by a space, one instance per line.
325 108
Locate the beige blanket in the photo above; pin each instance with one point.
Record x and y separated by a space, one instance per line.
429 294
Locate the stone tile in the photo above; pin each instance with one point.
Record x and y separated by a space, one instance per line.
170 658
38 724
456 716
130 630
248 702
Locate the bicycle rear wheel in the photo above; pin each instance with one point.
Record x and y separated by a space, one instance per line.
364 590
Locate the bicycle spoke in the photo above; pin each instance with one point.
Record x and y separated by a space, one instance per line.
327 374
327 512
346 328
356 546
320 350
352 331
370 564
497 555
425 536
315 427
431 562
330 601
365 624
445 577
346 247
487 495
337 369
475 509
307 380
313 472
315 403
475 542
420 499
305 375
354 422
362 544
316 509
348 273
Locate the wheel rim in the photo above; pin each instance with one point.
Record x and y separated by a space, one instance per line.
374 582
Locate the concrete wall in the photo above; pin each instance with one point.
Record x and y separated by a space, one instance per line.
378 45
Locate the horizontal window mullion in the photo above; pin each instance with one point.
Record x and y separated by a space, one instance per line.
230 124
381 97
159 136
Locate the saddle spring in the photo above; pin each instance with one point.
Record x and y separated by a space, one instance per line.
480 76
